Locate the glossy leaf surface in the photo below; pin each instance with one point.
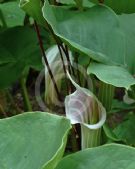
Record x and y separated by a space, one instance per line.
88 31
120 6
109 156
29 141
19 49
114 75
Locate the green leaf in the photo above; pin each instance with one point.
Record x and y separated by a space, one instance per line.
109 133
110 156
32 140
34 9
12 14
120 106
88 31
6 57
127 23
115 75
20 46
120 6
126 130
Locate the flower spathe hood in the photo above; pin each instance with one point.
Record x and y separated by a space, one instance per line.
80 107
55 63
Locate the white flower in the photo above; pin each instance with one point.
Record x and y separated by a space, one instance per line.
55 63
81 107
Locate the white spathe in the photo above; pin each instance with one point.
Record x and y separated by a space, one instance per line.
80 107
56 66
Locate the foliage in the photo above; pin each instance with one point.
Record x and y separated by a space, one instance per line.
25 138
112 156
86 50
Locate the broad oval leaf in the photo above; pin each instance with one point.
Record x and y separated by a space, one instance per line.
119 6
32 140
12 14
109 156
6 56
94 32
115 75
127 23
19 49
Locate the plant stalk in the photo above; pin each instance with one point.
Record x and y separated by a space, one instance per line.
106 94
46 61
64 68
25 95
91 138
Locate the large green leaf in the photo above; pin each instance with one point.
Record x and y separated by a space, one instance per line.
34 9
20 46
110 134
120 6
5 57
94 32
114 75
119 76
32 141
126 130
108 156
127 22
12 14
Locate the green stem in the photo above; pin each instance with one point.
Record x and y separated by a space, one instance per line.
106 94
25 95
91 138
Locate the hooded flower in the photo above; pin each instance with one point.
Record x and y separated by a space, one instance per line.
83 107
55 63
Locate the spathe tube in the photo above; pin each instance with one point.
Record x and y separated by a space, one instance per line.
81 107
